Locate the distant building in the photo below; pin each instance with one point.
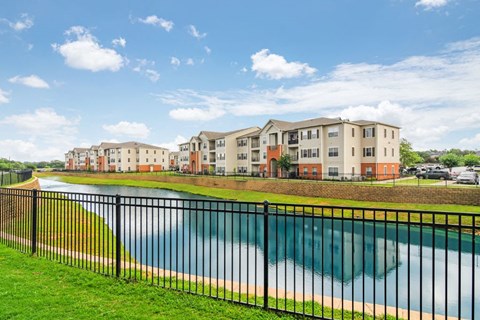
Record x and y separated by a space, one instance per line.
118 157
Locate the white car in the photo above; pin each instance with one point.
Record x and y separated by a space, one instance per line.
467 177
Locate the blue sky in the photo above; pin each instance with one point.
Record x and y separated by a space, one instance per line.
78 73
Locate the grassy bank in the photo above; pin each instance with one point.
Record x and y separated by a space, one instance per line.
255 196
34 288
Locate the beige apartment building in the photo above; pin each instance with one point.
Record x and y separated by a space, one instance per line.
320 148
211 152
118 157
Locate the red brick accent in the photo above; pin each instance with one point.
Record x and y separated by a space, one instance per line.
377 170
146 168
273 153
195 161
101 163
310 170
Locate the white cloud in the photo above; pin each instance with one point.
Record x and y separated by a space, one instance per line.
196 114
4 96
24 150
157 22
207 50
153 75
190 62
43 122
25 22
173 145
430 4
144 67
273 66
131 129
41 135
174 61
192 30
473 142
119 42
85 52
33 81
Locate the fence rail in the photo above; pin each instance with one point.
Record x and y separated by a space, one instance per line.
14 176
316 261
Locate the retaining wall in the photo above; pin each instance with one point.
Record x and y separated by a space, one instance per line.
376 193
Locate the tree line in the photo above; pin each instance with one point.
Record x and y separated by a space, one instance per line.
6 164
449 158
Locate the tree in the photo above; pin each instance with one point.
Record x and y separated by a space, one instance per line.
471 160
408 157
285 163
450 160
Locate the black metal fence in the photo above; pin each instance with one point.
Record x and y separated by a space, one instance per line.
316 261
14 176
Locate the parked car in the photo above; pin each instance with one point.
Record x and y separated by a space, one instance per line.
412 170
434 174
468 177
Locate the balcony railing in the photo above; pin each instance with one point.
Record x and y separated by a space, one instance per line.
293 141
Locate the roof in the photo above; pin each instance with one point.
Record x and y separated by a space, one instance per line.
129 144
251 134
212 135
369 122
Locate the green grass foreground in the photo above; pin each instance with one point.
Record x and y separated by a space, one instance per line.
254 196
35 288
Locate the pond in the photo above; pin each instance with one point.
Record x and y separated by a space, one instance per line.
357 260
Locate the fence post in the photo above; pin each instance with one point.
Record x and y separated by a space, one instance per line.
34 221
118 243
265 254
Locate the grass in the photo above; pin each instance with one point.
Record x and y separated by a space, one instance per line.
35 288
254 196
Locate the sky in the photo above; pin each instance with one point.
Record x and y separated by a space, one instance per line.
76 73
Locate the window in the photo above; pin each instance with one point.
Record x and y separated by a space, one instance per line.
128 151
305 171
264 155
304 153
304 135
369 132
353 151
154 151
353 132
315 134
163 152
204 145
384 133
368 171
315 153
146 160
333 171
393 152
146 151
384 170
314 171
204 157
332 132
369 152
393 170
128 160
384 152
333 152
353 171
264 140
393 134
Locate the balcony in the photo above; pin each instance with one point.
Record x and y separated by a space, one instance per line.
293 157
273 148
293 141
256 159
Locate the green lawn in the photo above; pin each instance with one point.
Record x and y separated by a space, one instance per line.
34 288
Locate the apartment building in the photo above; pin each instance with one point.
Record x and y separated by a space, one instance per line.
211 152
173 160
118 157
320 148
